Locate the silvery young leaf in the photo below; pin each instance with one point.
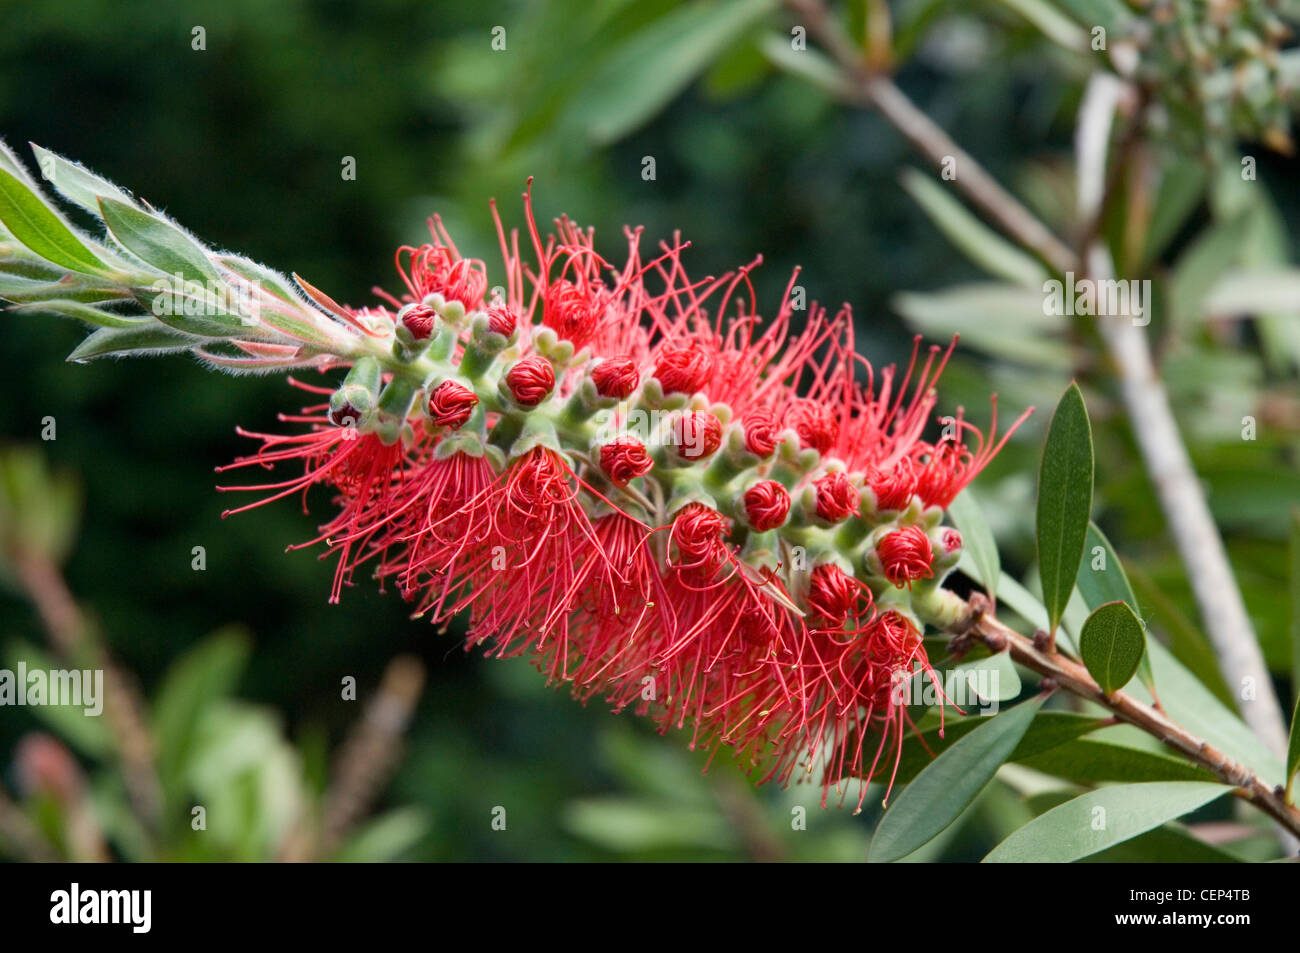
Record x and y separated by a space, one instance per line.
156 241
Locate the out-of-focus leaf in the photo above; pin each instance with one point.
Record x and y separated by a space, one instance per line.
1294 587
89 734
990 679
1050 22
983 246
632 824
1064 501
39 229
1112 644
1003 320
1213 254
937 795
384 839
196 681
1182 187
1100 819
657 63
977 539
1293 752
810 65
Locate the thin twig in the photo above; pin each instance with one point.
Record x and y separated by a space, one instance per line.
70 634
366 760
977 623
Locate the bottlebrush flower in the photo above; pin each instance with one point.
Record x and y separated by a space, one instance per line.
464 456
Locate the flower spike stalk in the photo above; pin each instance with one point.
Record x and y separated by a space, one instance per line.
734 527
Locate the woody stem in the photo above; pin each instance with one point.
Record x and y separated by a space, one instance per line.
976 623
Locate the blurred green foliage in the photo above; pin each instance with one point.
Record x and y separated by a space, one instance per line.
243 142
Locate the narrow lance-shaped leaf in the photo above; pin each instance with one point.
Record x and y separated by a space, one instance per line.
83 312
658 62
39 229
1102 818
1102 579
949 784
156 241
149 338
983 246
977 540
1064 501
75 182
1112 644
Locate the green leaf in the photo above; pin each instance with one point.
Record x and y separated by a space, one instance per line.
983 246
1100 819
75 182
39 229
1064 501
1295 601
1112 644
628 824
977 539
640 77
1001 319
1049 729
86 733
156 241
77 288
83 312
1170 844
1098 759
201 677
997 673
131 342
1293 752
1102 579
949 784
386 838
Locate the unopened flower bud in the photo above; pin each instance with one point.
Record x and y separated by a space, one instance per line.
451 404
766 505
530 381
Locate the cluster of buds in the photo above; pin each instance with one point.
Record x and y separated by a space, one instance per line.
626 475
1218 67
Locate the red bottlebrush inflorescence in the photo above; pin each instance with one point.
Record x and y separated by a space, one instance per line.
638 542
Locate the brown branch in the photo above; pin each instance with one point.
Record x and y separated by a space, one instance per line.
366 760
71 636
976 623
